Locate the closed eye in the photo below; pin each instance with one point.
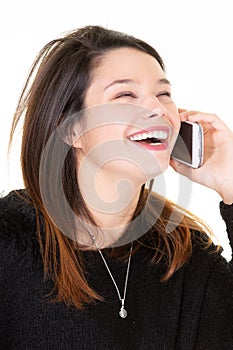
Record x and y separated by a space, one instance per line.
125 94
164 93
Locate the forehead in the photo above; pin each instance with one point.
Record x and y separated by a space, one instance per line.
127 62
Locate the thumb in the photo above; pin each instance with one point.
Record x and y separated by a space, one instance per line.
181 168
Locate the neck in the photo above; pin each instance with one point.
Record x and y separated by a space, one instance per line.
112 204
113 225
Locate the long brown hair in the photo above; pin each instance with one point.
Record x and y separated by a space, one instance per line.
55 90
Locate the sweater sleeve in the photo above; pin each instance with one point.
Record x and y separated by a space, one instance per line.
215 330
227 215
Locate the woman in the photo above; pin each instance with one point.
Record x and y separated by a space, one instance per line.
89 265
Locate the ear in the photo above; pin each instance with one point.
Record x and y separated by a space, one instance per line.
71 135
77 139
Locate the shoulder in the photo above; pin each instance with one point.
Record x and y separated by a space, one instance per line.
207 259
207 295
17 225
16 215
207 274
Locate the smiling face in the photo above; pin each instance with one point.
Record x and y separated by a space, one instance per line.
132 134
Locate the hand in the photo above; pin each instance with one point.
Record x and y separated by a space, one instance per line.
217 169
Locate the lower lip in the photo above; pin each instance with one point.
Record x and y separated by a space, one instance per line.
158 147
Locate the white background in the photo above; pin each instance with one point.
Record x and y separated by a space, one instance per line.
193 37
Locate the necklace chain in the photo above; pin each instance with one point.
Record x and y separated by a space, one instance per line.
122 312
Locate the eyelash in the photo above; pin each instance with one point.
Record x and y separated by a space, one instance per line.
125 94
130 94
165 93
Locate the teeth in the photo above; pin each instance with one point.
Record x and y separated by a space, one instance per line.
157 134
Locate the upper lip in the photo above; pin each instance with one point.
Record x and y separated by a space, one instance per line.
159 132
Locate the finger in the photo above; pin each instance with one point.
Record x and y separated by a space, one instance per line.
182 110
208 121
185 114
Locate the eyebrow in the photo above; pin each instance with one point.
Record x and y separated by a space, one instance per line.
164 81
127 81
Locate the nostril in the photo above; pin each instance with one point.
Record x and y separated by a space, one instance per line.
156 115
148 113
153 115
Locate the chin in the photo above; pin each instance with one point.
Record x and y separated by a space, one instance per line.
158 169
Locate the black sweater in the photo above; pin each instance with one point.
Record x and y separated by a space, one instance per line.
193 310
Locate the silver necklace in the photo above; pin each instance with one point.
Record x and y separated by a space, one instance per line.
122 312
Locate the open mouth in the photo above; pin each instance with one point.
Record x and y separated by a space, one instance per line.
153 139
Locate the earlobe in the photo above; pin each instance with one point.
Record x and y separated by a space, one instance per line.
76 140
71 135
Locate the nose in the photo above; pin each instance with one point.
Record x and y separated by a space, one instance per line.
155 107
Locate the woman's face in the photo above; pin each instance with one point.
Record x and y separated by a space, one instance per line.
131 121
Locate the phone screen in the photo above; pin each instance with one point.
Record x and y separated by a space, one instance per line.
184 143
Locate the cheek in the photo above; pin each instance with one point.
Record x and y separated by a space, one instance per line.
174 116
102 136
175 122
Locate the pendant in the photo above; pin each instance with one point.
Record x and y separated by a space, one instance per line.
123 312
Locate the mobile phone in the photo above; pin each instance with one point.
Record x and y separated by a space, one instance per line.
189 145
